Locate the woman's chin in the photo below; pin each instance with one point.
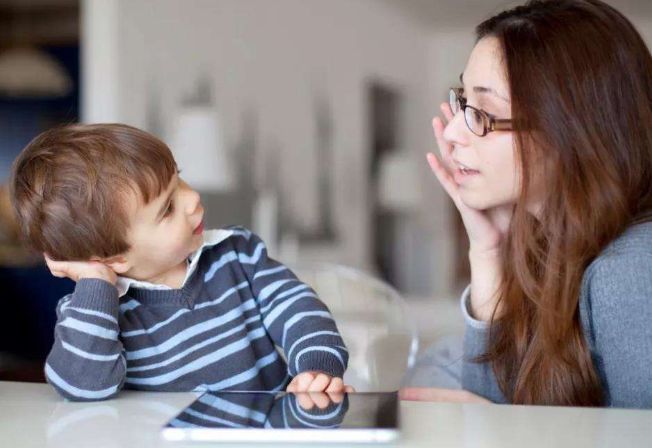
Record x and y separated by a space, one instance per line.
479 201
475 201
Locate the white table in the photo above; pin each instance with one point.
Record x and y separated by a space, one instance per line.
33 415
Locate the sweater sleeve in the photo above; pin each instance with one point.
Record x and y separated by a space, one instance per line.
87 361
616 313
477 377
297 321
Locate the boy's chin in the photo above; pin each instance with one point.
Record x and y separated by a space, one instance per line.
197 241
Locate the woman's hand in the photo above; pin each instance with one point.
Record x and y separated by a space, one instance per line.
486 229
434 394
76 270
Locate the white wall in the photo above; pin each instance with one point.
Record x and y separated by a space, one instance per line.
99 61
644 26
269 56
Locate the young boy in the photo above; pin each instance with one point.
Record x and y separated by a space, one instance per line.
160 304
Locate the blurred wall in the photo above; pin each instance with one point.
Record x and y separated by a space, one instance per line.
274 58
270 60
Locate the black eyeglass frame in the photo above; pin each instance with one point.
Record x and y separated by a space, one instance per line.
490 122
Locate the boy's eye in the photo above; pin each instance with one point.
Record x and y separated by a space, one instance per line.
169 210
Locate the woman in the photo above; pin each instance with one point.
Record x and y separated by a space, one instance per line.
547 155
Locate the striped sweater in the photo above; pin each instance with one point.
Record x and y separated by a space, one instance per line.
219 331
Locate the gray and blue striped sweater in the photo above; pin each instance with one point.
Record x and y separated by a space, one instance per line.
219 331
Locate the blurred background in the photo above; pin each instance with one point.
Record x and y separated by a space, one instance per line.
306 120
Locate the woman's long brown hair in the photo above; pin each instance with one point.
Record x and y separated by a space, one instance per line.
580 78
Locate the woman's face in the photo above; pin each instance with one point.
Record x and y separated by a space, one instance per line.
494 179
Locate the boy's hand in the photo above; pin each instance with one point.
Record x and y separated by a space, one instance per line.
76 270
320 399
317 382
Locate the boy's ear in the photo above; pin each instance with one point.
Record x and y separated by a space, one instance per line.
118 263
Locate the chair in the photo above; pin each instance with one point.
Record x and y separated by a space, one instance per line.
373 320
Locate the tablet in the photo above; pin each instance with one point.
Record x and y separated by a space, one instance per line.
286 417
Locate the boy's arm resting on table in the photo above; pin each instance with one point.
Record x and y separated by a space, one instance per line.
87 362
617 320
295 318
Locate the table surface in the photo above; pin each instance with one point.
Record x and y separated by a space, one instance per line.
34 415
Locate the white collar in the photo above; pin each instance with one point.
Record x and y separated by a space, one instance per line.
211 238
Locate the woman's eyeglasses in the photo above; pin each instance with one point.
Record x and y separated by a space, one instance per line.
478 121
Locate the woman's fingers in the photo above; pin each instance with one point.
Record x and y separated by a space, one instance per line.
484 228
446 110
443 176
444 167
445 148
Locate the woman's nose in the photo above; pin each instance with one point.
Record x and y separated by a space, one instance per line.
456 131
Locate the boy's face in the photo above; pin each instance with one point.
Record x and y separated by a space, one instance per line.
164 232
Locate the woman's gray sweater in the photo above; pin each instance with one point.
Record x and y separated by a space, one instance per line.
616 314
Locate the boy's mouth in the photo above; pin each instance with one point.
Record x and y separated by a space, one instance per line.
199 229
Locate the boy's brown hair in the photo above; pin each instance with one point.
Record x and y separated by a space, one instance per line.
69 185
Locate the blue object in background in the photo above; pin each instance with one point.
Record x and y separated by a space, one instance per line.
22 119
30 294
29 300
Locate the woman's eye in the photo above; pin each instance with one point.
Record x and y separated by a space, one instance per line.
477 117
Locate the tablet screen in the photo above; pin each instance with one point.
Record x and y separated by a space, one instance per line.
233 412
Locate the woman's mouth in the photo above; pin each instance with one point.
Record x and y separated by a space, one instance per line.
463 173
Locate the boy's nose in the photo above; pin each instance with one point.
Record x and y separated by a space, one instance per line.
193 202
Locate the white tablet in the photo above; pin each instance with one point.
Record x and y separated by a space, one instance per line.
285 417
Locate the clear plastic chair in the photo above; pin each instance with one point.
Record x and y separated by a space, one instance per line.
373 320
